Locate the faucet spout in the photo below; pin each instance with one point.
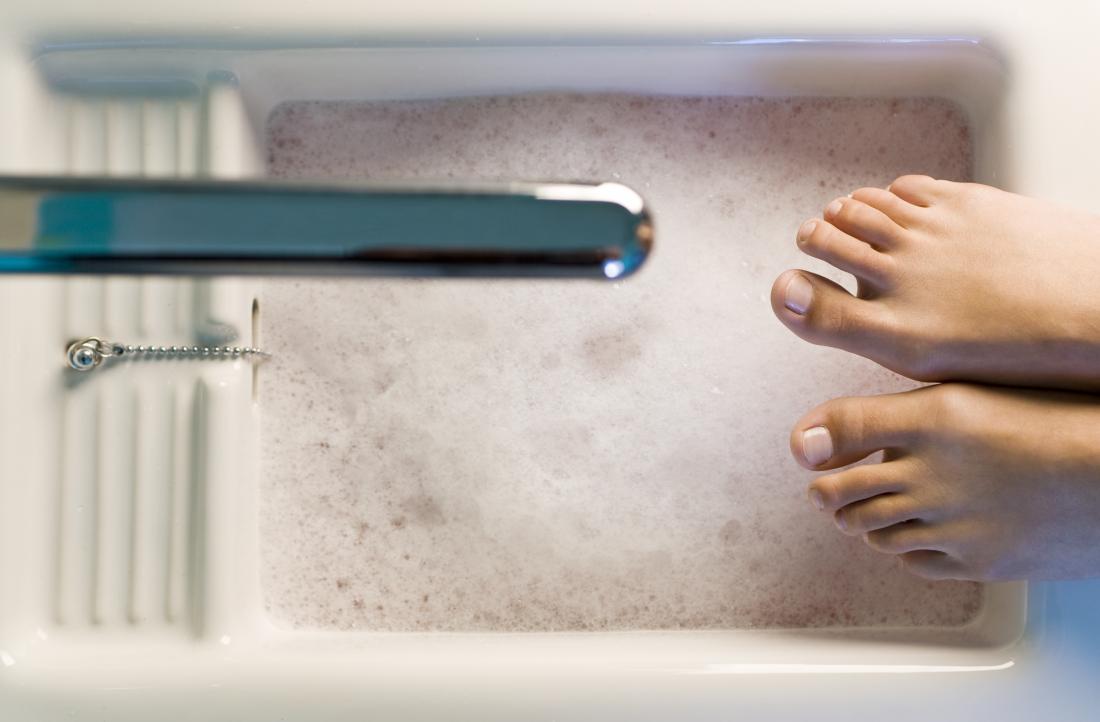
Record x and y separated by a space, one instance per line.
112 226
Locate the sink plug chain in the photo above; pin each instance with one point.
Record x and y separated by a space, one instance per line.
88 353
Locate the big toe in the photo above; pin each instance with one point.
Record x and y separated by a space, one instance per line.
843 431
822 312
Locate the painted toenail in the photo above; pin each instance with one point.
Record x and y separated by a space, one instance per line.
834 208
817 445
840 523
798 294
817 499
806 229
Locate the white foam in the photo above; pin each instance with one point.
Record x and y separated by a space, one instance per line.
520 455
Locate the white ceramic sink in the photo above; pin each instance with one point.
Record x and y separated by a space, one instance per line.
129 544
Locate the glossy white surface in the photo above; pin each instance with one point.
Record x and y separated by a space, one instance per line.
134 653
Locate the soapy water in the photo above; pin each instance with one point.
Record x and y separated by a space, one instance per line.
564 455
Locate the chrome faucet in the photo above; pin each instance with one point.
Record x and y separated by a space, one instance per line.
100 226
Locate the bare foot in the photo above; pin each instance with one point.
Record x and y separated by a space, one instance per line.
978 482
957 281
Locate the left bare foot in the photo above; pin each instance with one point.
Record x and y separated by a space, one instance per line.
978 482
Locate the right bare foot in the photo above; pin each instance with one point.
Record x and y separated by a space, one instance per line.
957 281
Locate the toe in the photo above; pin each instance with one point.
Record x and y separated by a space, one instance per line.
900 211
823 240
831 492
822 312
920 190
880 512
932 565
861 221
908 536
843 431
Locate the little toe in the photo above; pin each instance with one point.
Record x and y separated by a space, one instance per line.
900 211
823 240
843 431
920 190
933 565
831 492
864 222
822 312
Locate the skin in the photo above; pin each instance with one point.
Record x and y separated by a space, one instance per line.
958 282
978 482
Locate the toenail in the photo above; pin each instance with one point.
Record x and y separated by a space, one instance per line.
798 294
817 445
840 523
834 208
806 229
817 499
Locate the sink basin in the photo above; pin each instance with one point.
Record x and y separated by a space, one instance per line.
132 509
509 456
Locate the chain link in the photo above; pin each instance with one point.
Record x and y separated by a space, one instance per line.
89 353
